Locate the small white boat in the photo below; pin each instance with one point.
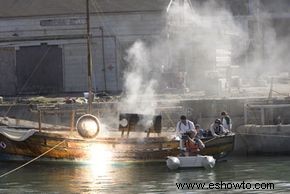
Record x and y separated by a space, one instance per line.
198 161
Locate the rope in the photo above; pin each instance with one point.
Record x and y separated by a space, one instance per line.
283 94
11 171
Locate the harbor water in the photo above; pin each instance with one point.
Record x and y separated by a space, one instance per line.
149 177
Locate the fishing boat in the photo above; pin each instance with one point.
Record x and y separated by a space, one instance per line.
131 142
138 138
72 145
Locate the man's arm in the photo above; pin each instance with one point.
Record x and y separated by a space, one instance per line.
177 130
192 128
229 121
212 131
224 130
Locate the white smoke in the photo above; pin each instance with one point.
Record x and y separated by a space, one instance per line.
139 89
269 46
180 58
196 41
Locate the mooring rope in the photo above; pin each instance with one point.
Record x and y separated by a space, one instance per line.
19 167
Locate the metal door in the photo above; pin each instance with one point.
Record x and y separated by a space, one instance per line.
39 69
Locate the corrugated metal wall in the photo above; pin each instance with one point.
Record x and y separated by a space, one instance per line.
111 65
105 70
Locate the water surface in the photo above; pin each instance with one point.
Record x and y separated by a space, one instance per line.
144 178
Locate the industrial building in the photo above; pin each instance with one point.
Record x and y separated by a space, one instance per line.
43 42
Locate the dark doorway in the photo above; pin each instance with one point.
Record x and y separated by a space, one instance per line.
39 69
8 78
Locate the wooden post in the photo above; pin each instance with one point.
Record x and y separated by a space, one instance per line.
89 57
17 122
148 132
262 116
103 53
72 121
128 132
245 114
271 90
39 119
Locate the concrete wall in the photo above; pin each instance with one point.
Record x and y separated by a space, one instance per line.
262 140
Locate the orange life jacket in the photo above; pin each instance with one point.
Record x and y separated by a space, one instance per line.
191 147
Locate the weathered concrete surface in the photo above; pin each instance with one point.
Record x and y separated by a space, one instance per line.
262 140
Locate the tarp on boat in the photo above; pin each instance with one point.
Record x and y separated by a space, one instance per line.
17 134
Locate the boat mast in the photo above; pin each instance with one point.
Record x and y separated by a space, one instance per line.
89 57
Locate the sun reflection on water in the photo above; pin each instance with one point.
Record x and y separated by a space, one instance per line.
100 159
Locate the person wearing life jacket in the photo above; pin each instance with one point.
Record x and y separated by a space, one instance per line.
185 129
217 128
226 120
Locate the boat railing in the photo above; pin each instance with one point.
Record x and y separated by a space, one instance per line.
69 115
133 122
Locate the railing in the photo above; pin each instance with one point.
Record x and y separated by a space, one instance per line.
262 108
55 111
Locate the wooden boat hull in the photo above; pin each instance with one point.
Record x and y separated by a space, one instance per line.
219 147
120 149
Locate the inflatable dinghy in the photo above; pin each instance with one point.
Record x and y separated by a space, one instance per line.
190 162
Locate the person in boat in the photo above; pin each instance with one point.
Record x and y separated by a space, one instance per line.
217 128
226 121
200 133
185 129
